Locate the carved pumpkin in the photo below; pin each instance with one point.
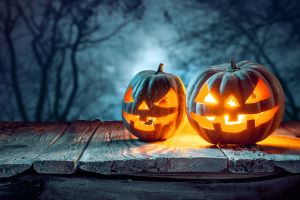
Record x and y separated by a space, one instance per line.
236 103
154 105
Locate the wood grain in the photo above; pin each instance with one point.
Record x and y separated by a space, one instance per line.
280 150
249 159
284 149
113 150
108 148
63 155
21 143
81 187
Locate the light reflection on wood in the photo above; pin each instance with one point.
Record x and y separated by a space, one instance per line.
281 144
281 141
181 143
186 152
187 139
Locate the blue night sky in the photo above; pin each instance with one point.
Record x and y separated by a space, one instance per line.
67 60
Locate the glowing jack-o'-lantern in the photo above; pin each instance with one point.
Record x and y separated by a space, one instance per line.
154 105
236 103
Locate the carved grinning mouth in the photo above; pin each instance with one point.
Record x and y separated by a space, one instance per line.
147 123
242 122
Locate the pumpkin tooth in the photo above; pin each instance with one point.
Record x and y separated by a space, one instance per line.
250 123
131 123
149 122
234 117
231 119
143 118
217 127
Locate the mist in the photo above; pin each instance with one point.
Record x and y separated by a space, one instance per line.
67 60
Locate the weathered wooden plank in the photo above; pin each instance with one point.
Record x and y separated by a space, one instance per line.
21 143
224 175
82 187
250 159
63 155
281 149
114 150
284 150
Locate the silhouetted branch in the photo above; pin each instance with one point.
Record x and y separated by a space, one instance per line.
74 65
235 28
107 37
58 84
9 24
271 64
55 32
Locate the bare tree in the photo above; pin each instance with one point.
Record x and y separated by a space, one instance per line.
8 23
217 30
58 31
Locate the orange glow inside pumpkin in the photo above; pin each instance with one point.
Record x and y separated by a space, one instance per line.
169 100
143 106
205 97
128 95
148 123
261 92
232 102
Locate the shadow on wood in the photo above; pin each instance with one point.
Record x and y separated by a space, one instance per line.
70 187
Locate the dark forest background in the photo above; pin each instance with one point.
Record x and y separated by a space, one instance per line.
73 59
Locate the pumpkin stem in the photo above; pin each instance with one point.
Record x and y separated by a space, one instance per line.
160 68
233 66
233 63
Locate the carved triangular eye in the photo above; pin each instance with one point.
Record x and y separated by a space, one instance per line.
128 95
204 96
261 92
169 100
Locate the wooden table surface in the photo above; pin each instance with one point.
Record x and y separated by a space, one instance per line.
102 160
108 148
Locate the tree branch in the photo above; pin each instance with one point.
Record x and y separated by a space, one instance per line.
13 62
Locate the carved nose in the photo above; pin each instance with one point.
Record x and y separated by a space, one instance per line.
143 106
232 102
